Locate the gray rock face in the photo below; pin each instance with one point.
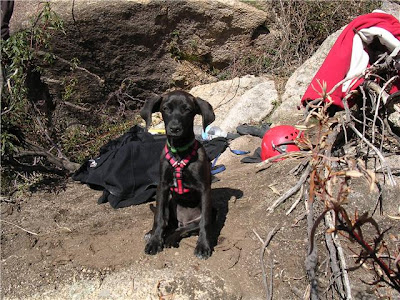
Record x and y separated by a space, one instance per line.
241 100
254 106
394 119
127 51
144 40
391 7
288 113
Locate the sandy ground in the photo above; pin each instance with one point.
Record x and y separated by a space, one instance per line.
77 249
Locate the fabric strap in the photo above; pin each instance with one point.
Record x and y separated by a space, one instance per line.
178 166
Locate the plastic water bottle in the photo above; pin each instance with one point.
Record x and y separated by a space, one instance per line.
212 132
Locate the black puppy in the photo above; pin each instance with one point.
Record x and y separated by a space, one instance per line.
183 202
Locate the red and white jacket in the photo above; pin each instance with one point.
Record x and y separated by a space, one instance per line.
348 57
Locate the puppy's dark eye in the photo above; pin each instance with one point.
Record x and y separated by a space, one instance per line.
165 109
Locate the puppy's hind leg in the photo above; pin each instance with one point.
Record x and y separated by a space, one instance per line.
174 238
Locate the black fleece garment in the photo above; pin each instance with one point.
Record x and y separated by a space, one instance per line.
127 169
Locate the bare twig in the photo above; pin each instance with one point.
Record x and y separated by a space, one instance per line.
297 201
378 153
292 190
23 229
312 257
101 81
354 231
265 243
76 106
384 99
342 270
7 200
294 154
62 162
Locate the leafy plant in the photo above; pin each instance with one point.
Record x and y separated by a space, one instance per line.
19 115
17 57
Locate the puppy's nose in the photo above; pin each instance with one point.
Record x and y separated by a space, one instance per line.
174 128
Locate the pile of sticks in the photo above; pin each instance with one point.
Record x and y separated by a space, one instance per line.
336 148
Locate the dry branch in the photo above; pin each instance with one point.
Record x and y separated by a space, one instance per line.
339 267
297 201
312 257
23 229
292 190
329 175
60 162
265 243
43 53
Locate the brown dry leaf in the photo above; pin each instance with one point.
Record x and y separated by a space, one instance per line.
392 237
274 190
330 230
354 173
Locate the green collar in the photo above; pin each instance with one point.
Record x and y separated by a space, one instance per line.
180 149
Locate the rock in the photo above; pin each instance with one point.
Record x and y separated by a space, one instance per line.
238 101
145 40
288 113
127 51
391 7
394 119
244 143
253 107
146 284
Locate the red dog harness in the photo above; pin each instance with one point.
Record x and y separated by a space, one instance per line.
178 167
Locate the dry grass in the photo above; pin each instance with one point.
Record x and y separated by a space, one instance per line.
297 29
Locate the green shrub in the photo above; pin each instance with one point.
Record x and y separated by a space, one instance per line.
19 119
17 58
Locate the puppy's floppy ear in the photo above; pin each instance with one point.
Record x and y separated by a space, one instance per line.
151 105
205 110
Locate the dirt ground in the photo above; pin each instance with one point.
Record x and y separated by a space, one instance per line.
77 249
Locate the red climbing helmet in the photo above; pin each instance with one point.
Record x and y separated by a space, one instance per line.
278 140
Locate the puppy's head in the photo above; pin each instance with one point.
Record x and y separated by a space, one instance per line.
178 109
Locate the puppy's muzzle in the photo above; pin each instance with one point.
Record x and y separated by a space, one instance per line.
174 130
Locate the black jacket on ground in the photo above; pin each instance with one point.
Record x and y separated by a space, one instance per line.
127 169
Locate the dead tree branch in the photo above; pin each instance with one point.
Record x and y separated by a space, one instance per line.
265 243
312 257
292 190
98 78
60 162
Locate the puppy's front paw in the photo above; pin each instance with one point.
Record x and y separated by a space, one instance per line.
202 251
153 246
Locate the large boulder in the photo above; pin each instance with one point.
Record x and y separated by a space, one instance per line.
243 100
143 42
392 7
288 111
